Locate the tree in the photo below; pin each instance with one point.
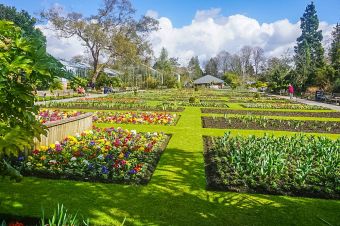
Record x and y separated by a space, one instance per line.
24 62
258 59
27 24
211 67
236 64
23 20
194 68
245 56
309 53
224 61
110 35
334 52
232 79
277 73
167 67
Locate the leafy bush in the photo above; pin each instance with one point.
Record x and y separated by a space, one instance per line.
24 62
299 164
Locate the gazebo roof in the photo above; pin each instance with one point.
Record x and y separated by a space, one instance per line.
208 79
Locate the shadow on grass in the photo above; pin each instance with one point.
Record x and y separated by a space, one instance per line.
176 195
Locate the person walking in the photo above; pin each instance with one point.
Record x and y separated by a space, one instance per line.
291 91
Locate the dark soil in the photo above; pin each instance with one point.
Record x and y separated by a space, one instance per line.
272 113
272 124
215 181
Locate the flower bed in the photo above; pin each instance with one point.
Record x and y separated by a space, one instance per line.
282 106
111 100
113 106
135 118
298 165
107 155
263 123
271 113
46 115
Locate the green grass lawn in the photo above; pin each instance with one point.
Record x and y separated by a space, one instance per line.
176 194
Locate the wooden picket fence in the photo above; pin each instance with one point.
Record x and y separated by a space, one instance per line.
59 130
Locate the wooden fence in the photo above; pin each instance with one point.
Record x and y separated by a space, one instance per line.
59 130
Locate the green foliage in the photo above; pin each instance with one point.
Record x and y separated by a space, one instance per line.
23 20
61 216
151 83
232 79
105 80
309 51
24 62
266 163
194 68
336 86
334 52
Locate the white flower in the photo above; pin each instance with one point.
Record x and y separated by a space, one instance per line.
73 159
100 157
29 164
134 132
155 134
57 143
85 162
53 161
77 135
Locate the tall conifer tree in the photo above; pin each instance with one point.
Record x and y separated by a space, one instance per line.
309 53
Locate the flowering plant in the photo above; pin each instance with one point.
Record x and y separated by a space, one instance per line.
46 115
111 154
135 117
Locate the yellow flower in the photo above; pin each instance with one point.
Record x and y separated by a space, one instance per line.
121 155
141 149
43 157
43 148
52 146
39 165
72 138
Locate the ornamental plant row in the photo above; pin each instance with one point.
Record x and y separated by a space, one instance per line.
297 165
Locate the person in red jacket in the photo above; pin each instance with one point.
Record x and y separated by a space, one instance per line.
291 91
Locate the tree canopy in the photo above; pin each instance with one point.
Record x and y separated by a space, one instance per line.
111 35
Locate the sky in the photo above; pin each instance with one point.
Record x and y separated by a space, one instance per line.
202 27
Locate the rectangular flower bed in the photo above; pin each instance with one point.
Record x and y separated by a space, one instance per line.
298 165
334 114
113 106
282 106
148 118
263 123
106 155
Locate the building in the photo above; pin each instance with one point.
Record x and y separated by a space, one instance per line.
209 81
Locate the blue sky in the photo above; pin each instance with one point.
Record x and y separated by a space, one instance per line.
181 12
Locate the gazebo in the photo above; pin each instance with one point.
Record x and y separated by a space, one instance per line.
209 81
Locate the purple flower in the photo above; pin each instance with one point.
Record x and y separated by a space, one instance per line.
126 155
132 171
21 158
58 147
90 166
105 170
92 143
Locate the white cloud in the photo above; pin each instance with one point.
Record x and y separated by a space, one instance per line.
64 48
209 33
152 13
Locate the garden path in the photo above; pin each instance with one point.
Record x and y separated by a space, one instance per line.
310 102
